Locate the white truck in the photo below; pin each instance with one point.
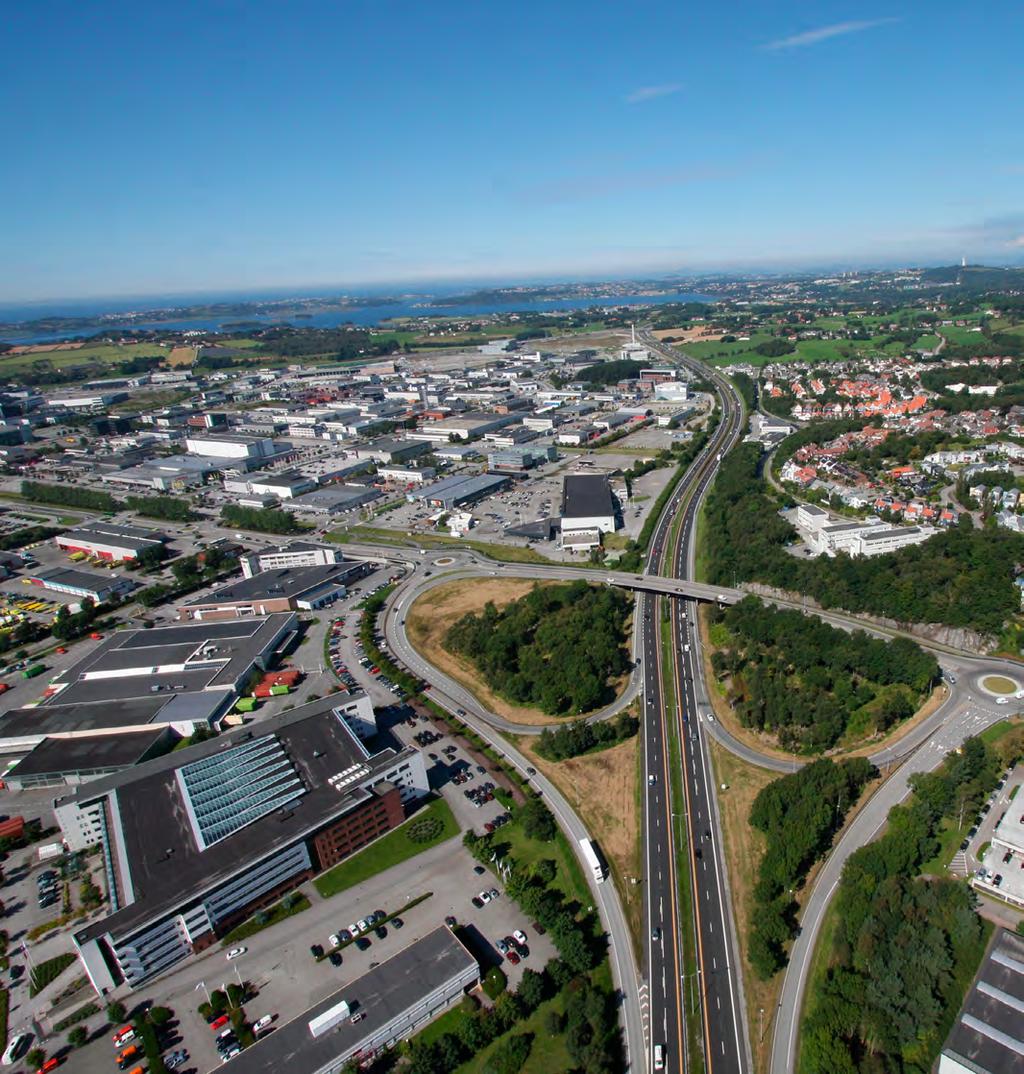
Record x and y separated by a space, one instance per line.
594 863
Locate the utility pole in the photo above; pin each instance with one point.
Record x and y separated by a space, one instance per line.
760 1017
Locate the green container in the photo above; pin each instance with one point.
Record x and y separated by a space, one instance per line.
32 672
279 689
245 704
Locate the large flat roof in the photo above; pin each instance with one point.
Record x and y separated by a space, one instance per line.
382 994
54 756
280 584
586 496
988 1036
93 581
167 866
201 655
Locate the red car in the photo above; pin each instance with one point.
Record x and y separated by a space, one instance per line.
219 1023
513 958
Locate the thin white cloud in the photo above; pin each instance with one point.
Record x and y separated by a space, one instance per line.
649 93
824 33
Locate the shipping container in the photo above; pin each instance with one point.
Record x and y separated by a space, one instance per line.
32 672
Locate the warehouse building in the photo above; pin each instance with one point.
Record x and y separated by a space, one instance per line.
186 676
286 589
332 500
195 842
284 485
391 451
466 426
988 1037
521 458
460 491
588 504
78 583
105 540
394 999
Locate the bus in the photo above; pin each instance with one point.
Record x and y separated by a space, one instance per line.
594 863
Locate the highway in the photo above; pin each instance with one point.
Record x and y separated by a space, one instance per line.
715 987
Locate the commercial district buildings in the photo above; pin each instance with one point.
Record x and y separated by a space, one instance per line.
196 841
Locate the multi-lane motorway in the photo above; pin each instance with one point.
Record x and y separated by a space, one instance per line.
682 844
712 989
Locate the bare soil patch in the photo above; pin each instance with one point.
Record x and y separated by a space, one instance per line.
40 348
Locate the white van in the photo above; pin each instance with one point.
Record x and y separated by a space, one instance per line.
659 1057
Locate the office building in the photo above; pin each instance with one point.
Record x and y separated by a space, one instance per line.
588 504
195 842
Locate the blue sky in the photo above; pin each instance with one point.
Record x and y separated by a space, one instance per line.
160 148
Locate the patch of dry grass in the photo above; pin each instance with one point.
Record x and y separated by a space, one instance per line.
603 788
181 356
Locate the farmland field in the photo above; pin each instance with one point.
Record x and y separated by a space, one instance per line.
104 353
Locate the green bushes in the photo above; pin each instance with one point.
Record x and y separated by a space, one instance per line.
494 983
27 535
69 496
44 973
289 906
581 737
166 507
424 830
799 814
259 519
80 1015
557 648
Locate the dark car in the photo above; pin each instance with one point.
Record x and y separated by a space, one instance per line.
335 958
381 932
363 943
397 922
477 902
449 921
316 951
479 870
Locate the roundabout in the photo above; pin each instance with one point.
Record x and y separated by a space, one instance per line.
999 685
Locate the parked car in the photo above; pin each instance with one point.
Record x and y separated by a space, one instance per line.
235 952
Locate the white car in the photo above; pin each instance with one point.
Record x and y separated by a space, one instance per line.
16 1049
262 1023
236 952
334 939
1002 701
484 896
519 936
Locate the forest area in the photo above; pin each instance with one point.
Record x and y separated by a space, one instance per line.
811 684
905 946
558 648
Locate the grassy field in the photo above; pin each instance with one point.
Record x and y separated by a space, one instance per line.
547 1054
44 973
391 849
106 354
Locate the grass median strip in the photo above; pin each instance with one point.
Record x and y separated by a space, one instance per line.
289 906
44 973
432 825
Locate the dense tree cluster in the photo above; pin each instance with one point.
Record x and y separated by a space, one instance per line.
961 577
810 683
905 947
581 737
167 507
557 648
27 535
746 387
259 519
799 815
69 496
345 343
775 347
610 372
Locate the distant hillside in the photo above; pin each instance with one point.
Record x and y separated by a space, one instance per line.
976 277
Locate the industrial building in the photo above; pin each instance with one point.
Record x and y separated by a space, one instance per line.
286 589
870 538
466 426
460 491
521 458
216 446
284 485
988 1037
395 999
105 540
391 451
196 841
78 583
68 762
186 676
332 499
588 504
